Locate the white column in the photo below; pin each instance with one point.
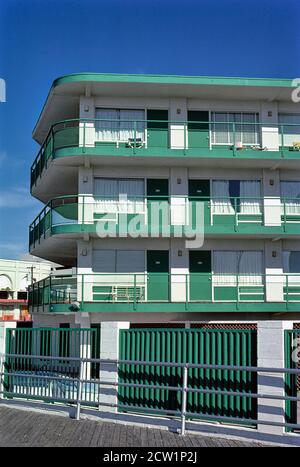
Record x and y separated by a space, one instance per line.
179 269
275 280
83 319
87 125
178 117
271 194
4 326
269 118
84 271
85 195
109 350
270 353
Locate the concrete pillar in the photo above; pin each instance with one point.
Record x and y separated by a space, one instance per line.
178 196
178 117
271 194
4 325
83 319
270 347
87 125
109 350
85 197
275 280
85 275
179 269
269 117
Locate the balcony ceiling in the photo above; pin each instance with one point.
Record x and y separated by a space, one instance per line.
63 99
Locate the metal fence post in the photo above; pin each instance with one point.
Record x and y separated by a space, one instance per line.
184 399
79 391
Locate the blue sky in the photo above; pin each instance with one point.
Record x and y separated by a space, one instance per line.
41 40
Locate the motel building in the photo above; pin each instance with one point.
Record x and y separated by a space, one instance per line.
173 204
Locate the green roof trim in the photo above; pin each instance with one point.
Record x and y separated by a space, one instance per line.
171 79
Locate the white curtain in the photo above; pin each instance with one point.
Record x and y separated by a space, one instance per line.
290 128
246 128
118 125
221 199
127 119
106 195
134 190
227 264
119 195
225 267
250 202
290 195
250 267
107 129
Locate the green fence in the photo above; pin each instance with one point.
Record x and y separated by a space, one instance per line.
292 382
219 347
33 373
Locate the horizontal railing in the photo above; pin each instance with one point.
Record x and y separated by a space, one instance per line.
134 136
163 216
68 380
141 288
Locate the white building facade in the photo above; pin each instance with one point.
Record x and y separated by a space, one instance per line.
174 202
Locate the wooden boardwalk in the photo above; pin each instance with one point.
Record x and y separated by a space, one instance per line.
31 428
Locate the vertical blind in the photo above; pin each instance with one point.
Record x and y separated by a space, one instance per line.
245 125
119 261
244 195
118 124
247 264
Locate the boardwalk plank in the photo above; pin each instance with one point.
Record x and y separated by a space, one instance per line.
30 428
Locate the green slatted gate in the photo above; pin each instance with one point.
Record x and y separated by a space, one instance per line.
206 346
292 382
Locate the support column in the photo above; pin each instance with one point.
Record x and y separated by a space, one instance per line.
179 269
270 347
4 326
275 281
109 350
83 319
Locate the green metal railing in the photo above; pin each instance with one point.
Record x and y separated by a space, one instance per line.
157 217
118 288
243 139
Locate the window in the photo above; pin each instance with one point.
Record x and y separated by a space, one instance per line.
110 191
290 196
119 124
244 195
291 261
245 125
289 128
119 261
248 265
22 295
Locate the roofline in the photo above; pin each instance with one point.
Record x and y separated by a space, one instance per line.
171 79
163 79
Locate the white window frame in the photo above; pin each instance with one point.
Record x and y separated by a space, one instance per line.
118 110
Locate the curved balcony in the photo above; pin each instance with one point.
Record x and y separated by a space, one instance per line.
154 217
165 138
164 292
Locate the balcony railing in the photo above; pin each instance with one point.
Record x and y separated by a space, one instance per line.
167 138
171 216
78 292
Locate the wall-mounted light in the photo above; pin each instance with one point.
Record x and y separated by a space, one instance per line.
86 108
178 111
271 181
179 253
270 113
85 179
84 252
274 254
178 181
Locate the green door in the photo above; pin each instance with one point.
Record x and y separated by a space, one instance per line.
198 129
157 128
158 275
200 275
199 191
157 191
